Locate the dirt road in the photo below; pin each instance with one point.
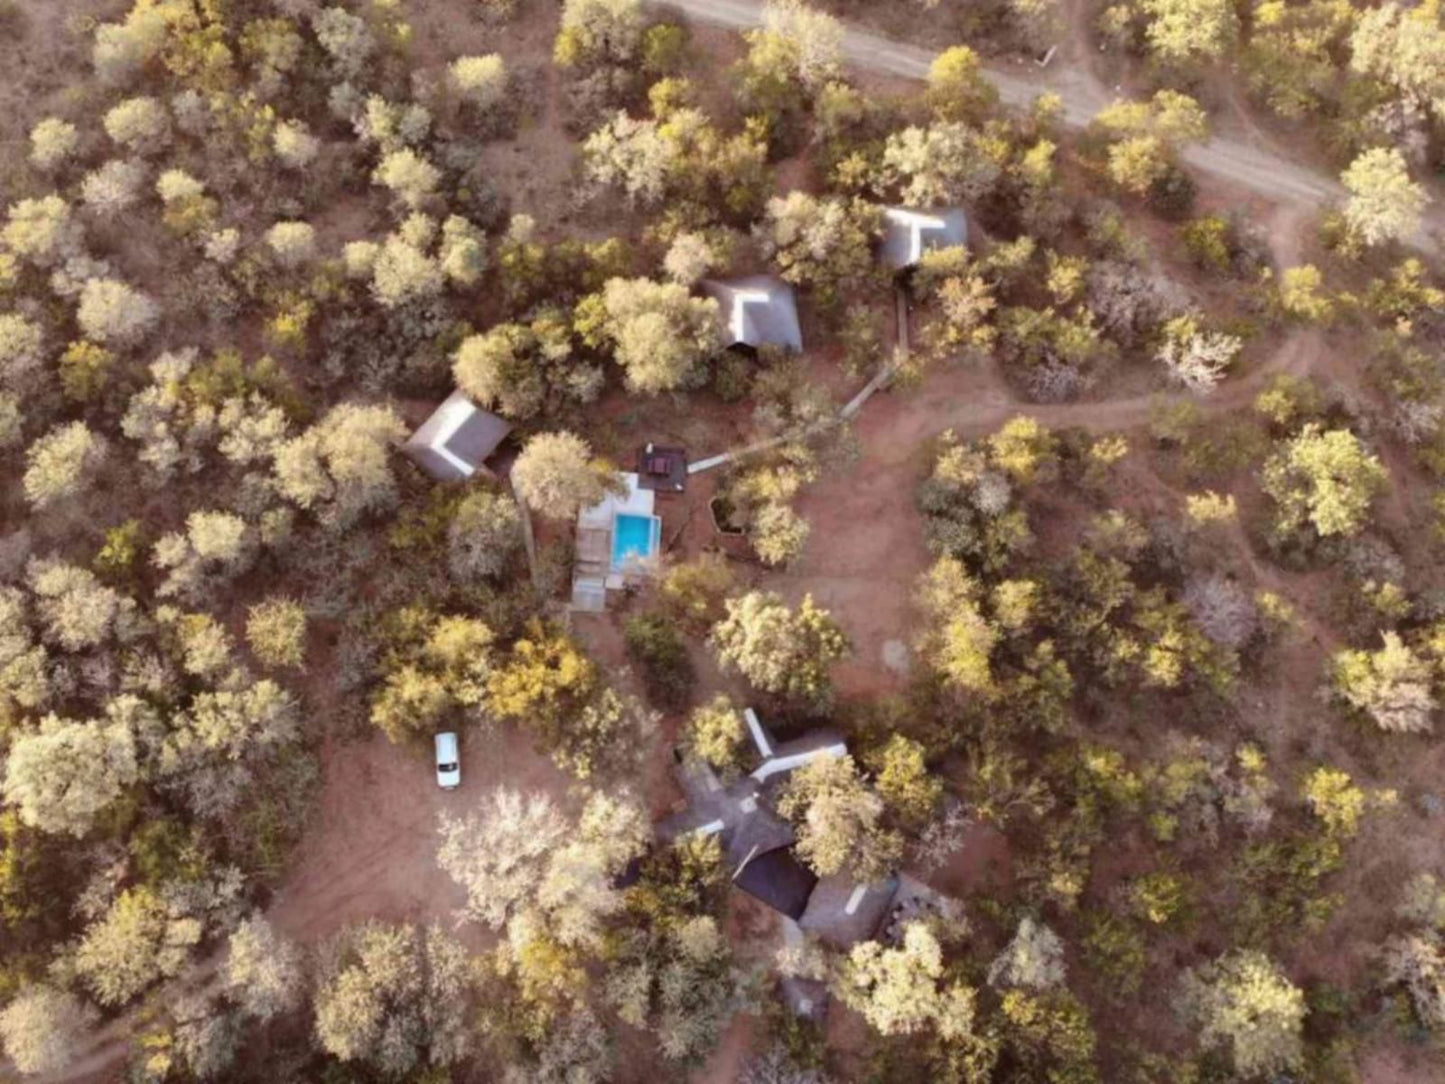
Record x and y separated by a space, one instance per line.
1255 167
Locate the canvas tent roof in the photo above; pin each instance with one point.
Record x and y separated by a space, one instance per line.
844 912
778 879
759 310
458 438
909 232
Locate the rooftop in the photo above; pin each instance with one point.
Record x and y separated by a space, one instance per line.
457 440
759 310
909 232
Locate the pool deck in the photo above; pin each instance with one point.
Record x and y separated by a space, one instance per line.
599 520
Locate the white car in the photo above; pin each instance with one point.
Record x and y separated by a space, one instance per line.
449 761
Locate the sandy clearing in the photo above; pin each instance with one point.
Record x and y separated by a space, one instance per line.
370 850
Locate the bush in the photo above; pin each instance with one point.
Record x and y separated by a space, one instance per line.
655 645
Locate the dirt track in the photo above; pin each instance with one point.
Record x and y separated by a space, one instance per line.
1257 168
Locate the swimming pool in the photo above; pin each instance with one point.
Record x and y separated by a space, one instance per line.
634 537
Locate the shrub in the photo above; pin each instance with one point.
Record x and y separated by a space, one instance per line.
716 734
52 142
293 243
276 631
62 463
557 475
654 644
112 312
779 649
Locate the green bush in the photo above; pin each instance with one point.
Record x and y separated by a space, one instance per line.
654 644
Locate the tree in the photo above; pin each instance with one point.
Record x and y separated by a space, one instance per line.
839 820
657 646
693 591
1336 802
411 178
41 231
481 80
522 855
943 164
661 335
1403 47
215 547
1416 961
263 971
960 641
825 244
1145 137
1025 449
345 38
597 32
139 124
62 464
114 187
505 368
1324 480
1033 959
402 273
716 735
77 610
676 981
52 142
779 649
433 665
85 371
484 536
958 90
813 38
776 1066
635 155
137 942
276 631
112 312
1243 1003
576 1050
1384 204
901 778
498 855
689 258
1195 358
42 1028
1391 686
216 747
394 997
123 49
557 475
901 990
293 243
1182 31
22 353
1301 294
341 466
295 146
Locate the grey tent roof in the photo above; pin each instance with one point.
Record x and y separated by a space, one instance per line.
758 310
908 232
756 833
778 879
827 913
457 439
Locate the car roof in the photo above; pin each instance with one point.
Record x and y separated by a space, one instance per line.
446 742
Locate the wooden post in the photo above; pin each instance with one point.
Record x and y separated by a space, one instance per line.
528 539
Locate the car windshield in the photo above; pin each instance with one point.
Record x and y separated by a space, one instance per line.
447 767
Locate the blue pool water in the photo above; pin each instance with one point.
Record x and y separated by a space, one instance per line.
633 536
